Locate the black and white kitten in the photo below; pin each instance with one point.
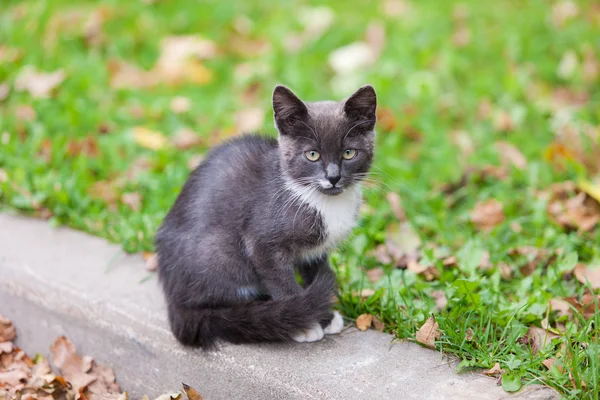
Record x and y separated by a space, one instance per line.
259 209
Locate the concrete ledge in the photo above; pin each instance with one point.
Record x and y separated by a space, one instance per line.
60 281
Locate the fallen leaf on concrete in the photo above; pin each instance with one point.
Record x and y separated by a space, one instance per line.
6 347
429 333
74 368
586 274
151 260
39 84
7 330
13 377
191 393
364 321
105 386
494 371
487 214
149 139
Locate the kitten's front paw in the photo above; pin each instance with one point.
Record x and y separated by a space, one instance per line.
309 335
336 325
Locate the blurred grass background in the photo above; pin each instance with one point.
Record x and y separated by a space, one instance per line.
105 107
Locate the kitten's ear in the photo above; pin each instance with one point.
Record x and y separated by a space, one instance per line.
287 106
362 105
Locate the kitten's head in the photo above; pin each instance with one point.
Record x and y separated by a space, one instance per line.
325 145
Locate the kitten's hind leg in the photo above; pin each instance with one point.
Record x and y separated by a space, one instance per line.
335 326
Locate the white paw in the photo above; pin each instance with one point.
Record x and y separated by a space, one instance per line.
336 324
309 335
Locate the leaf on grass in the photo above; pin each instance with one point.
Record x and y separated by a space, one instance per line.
571 208
511 155
25 113
87 146
149 139
39 84
378 324
396 206
494 371
7 329
315 22
375 274
151 261
132 200
487 214
364 321
587 305
386 120
440 299
539 338
553 362
563 11
4 91
402 243
180 104
562 307
249 120
429 272
191 393
74 368
586 274
429 333
529 258
104 190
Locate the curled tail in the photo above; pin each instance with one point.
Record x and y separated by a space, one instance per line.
256 321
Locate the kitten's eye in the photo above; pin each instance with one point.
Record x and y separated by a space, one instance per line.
312 155
349 154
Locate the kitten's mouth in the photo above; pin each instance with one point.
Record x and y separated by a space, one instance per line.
332 191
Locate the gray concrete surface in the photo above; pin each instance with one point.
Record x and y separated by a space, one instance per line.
60 281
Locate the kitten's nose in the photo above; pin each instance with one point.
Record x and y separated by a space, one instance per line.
334 179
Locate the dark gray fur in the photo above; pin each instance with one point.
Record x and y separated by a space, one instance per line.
230 244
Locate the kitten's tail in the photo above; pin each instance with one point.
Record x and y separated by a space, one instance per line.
257 321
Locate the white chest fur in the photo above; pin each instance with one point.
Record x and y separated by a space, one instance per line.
338 215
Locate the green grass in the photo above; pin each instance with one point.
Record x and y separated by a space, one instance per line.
432 87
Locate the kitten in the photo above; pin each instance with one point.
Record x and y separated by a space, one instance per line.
259 209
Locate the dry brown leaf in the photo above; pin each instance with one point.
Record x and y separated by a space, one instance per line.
191 393
511 155
563 11
487 214
74 368
249 120
375 274
39 84
180 104
572 208
4 91
364 321
149 139
151 261
13 377
429 272
364 293
586 305
386 120
7 329
105 386
494 371
25 113
539 338
429 333
440 299
6 347
124 75
396 205
104 190
378 324
586 274
402 243
87 146
548 363
529 258
180 57
562 307
132 200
